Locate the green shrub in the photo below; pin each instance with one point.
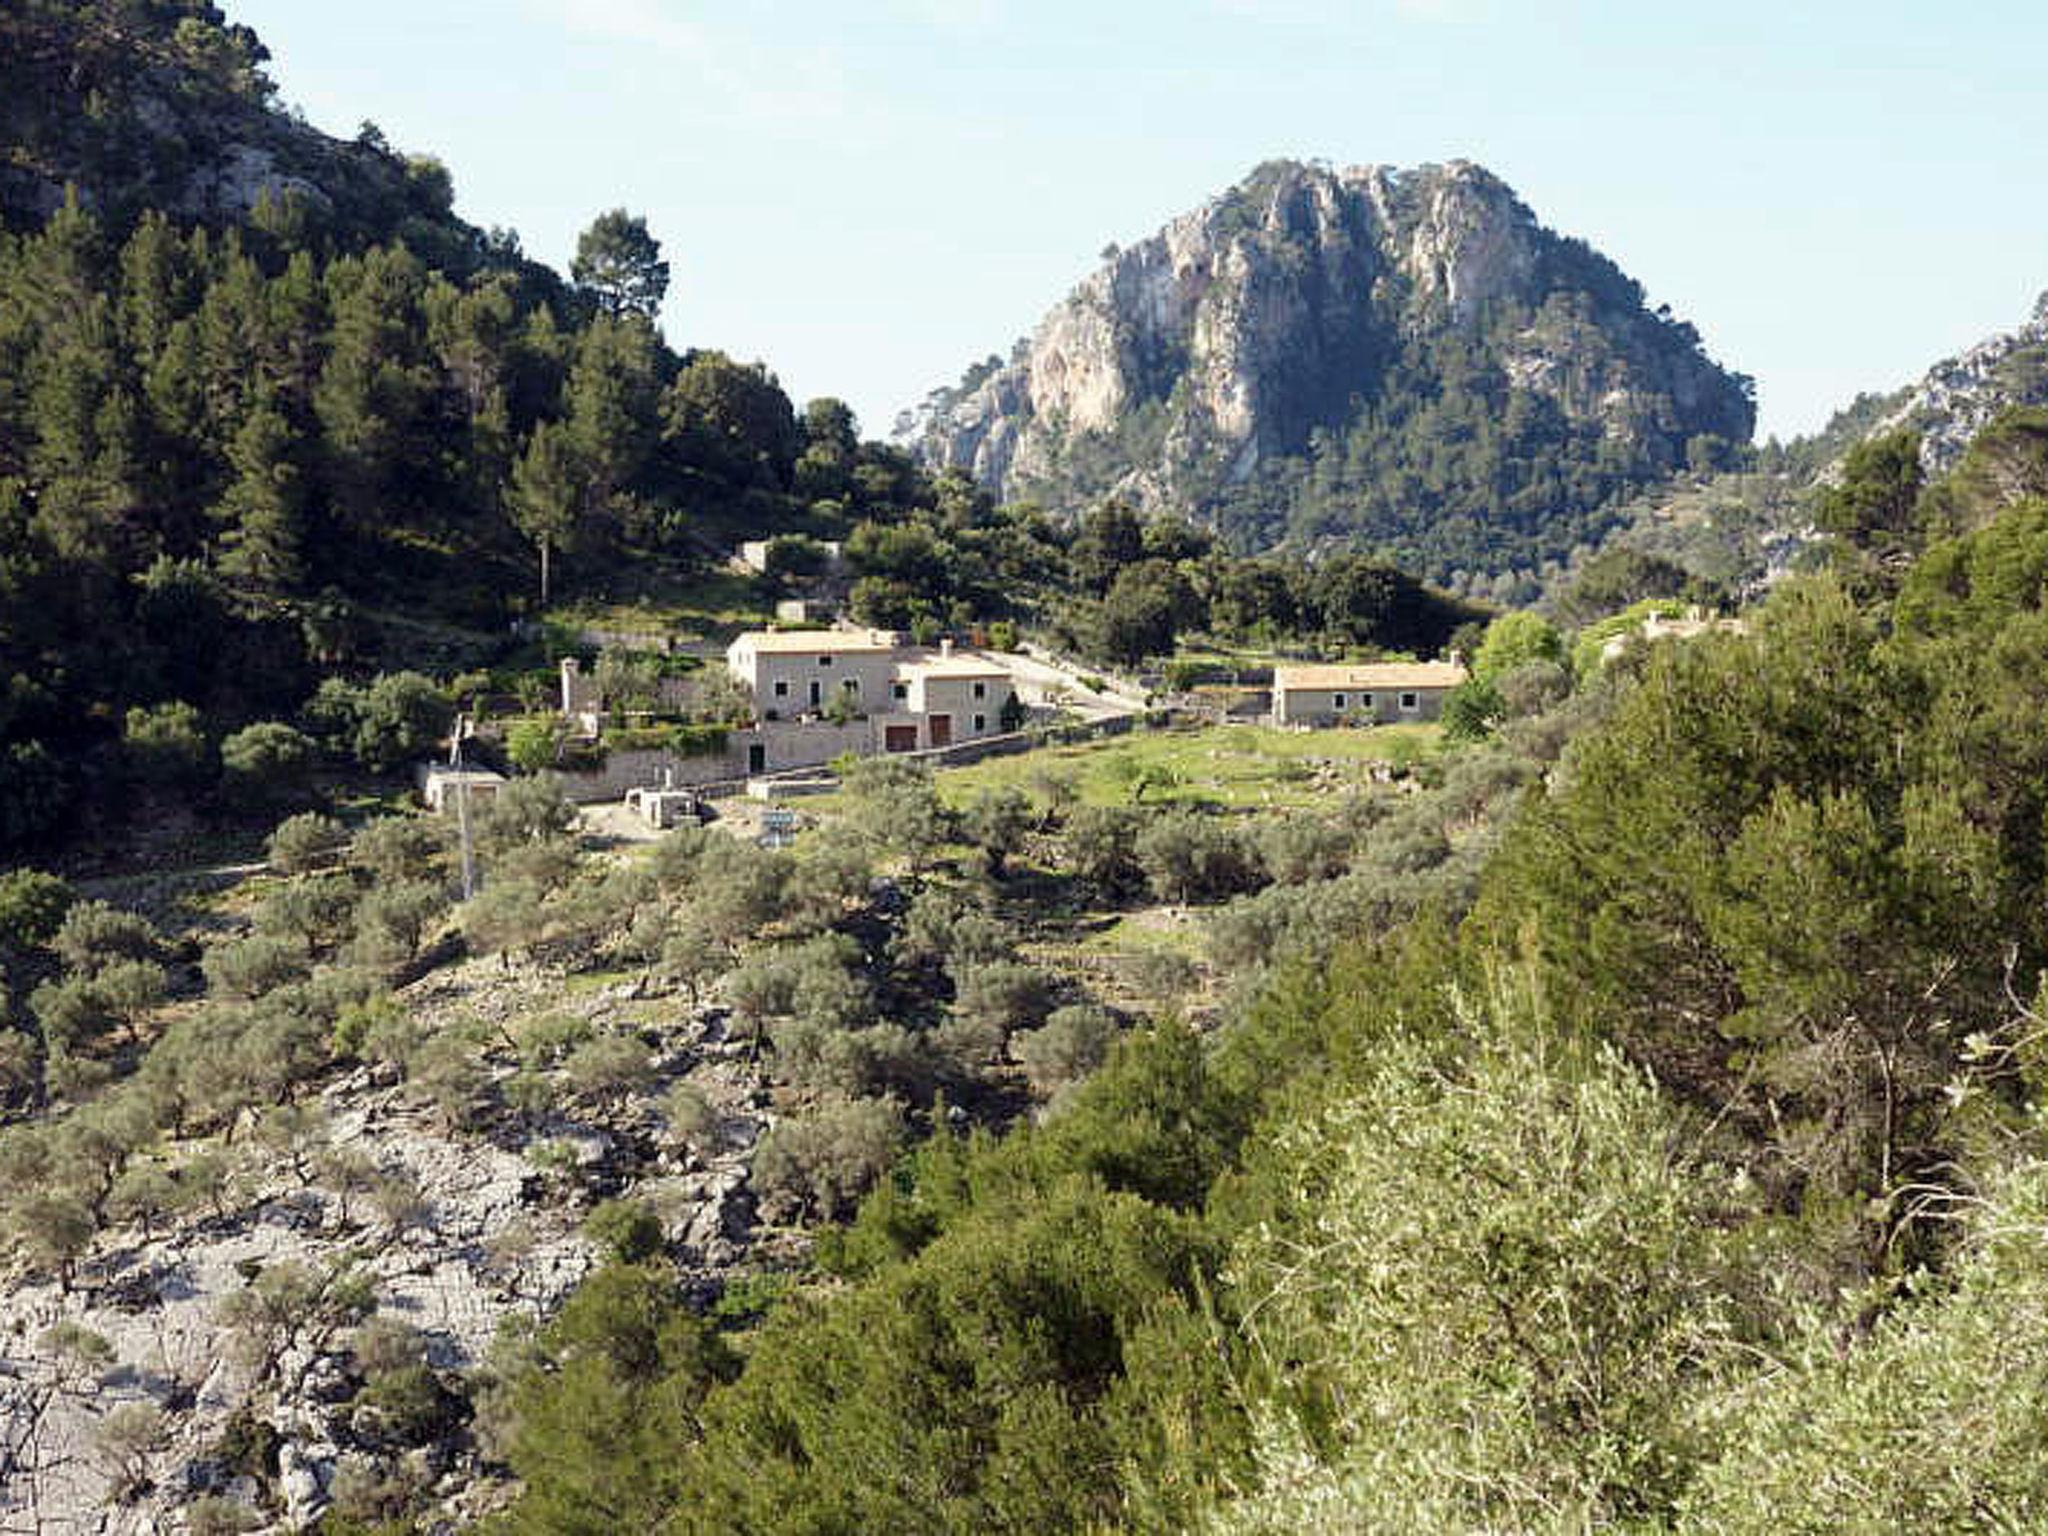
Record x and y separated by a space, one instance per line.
1072 1043
268 761
166 744
305 842
824 1160
532 745
698 740
626 1230
32 905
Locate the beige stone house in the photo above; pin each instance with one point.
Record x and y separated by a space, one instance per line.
440 785
957 698
1372 693
912 698
799 672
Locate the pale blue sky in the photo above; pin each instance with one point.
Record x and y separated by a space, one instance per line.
867 195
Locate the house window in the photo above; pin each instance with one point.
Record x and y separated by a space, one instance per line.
851 685
1336 701
824 661
981 722
782 688
899 690
1365 701
1408 701
981 690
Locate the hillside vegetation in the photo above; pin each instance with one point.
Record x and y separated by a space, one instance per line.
1688 1182
1619 1106
321 432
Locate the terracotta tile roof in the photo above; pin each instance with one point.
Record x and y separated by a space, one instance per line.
1370 676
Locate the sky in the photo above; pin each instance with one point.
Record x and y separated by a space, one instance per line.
869 195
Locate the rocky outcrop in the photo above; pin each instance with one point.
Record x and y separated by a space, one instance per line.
1283 307
169 110
125 1397
1958 397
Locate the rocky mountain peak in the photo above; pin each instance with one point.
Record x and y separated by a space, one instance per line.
1288 310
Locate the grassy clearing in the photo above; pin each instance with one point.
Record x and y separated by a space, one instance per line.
1149 930
1238 766
582 983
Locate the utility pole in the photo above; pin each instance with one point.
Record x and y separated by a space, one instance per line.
462 807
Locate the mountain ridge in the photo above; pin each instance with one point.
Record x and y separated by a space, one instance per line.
164 105
1296 323
1959 396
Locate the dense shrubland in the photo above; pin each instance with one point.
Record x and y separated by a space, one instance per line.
887 978
1122 589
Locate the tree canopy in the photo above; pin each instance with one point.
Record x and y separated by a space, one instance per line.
619 264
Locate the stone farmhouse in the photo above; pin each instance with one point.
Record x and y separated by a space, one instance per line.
439 785
912 698
817 695
1692 624
1374 693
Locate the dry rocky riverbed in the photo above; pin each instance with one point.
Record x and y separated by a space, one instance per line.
127 1398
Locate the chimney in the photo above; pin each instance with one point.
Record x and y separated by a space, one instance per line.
946 646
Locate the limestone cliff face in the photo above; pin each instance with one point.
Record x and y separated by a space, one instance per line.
1282 307
1958 397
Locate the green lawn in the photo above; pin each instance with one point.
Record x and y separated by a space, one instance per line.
1237 765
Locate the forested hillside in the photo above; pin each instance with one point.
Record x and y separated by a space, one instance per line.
270 415
163 104
1735 528
1686 1178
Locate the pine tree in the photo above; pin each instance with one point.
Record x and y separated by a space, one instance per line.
374 390
546 493
156 286
263 511
619 264
612 401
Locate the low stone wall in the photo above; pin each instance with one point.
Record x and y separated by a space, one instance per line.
803 747
657 640
653 768
791 786
789 745
806 743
